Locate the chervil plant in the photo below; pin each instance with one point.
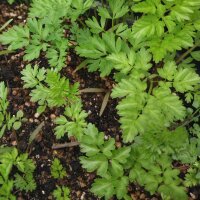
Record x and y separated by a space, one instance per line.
151 47
61 193
44 32
57 170
23 180
6 120
48 88
153 61
73 122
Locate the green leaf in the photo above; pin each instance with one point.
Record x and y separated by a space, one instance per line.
103 187
17 37
176 192
97 162
121 154
168 71
20 114
103 12
94 25
116 168
185 80
170 104
118 8
108 147
32 76
147 6
17 125
147 26
122 187
196 55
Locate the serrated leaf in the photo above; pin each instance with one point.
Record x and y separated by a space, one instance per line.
17 125
185 80
103 187
97 163
122 187
121 154
168 71
196 55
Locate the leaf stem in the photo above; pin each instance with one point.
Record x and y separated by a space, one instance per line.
3 52
186 53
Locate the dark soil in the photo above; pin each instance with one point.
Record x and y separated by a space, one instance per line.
78 180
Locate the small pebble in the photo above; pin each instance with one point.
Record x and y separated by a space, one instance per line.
118 144
43 192
14 92
27 104
14 143
52 116
30 120
36 115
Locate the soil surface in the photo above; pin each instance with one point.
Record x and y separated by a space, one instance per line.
78 180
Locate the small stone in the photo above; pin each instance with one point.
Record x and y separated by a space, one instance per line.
14 143
118 144
14 92
105 137
27 104
69 58
52 116
31 120
192 195
43 192
36 120
37 115
83 196
142 196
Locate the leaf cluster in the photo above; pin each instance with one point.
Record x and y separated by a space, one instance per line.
61 193
48 88
57 170
108 162
23 178
6 120
72 122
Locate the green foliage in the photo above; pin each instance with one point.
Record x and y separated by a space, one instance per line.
61 193
37 36
23 181
73 122
153 79
153 168
11 1
57 170
108 161
107 187
6 120
151 47
48 87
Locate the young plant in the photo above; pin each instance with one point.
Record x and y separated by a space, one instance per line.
48 88
154 84
61 193
108 161
57 170
73 122
6 121
23 177
44 32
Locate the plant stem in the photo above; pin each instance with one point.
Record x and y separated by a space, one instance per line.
3 52
186 121
191 118
60 146
186 53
